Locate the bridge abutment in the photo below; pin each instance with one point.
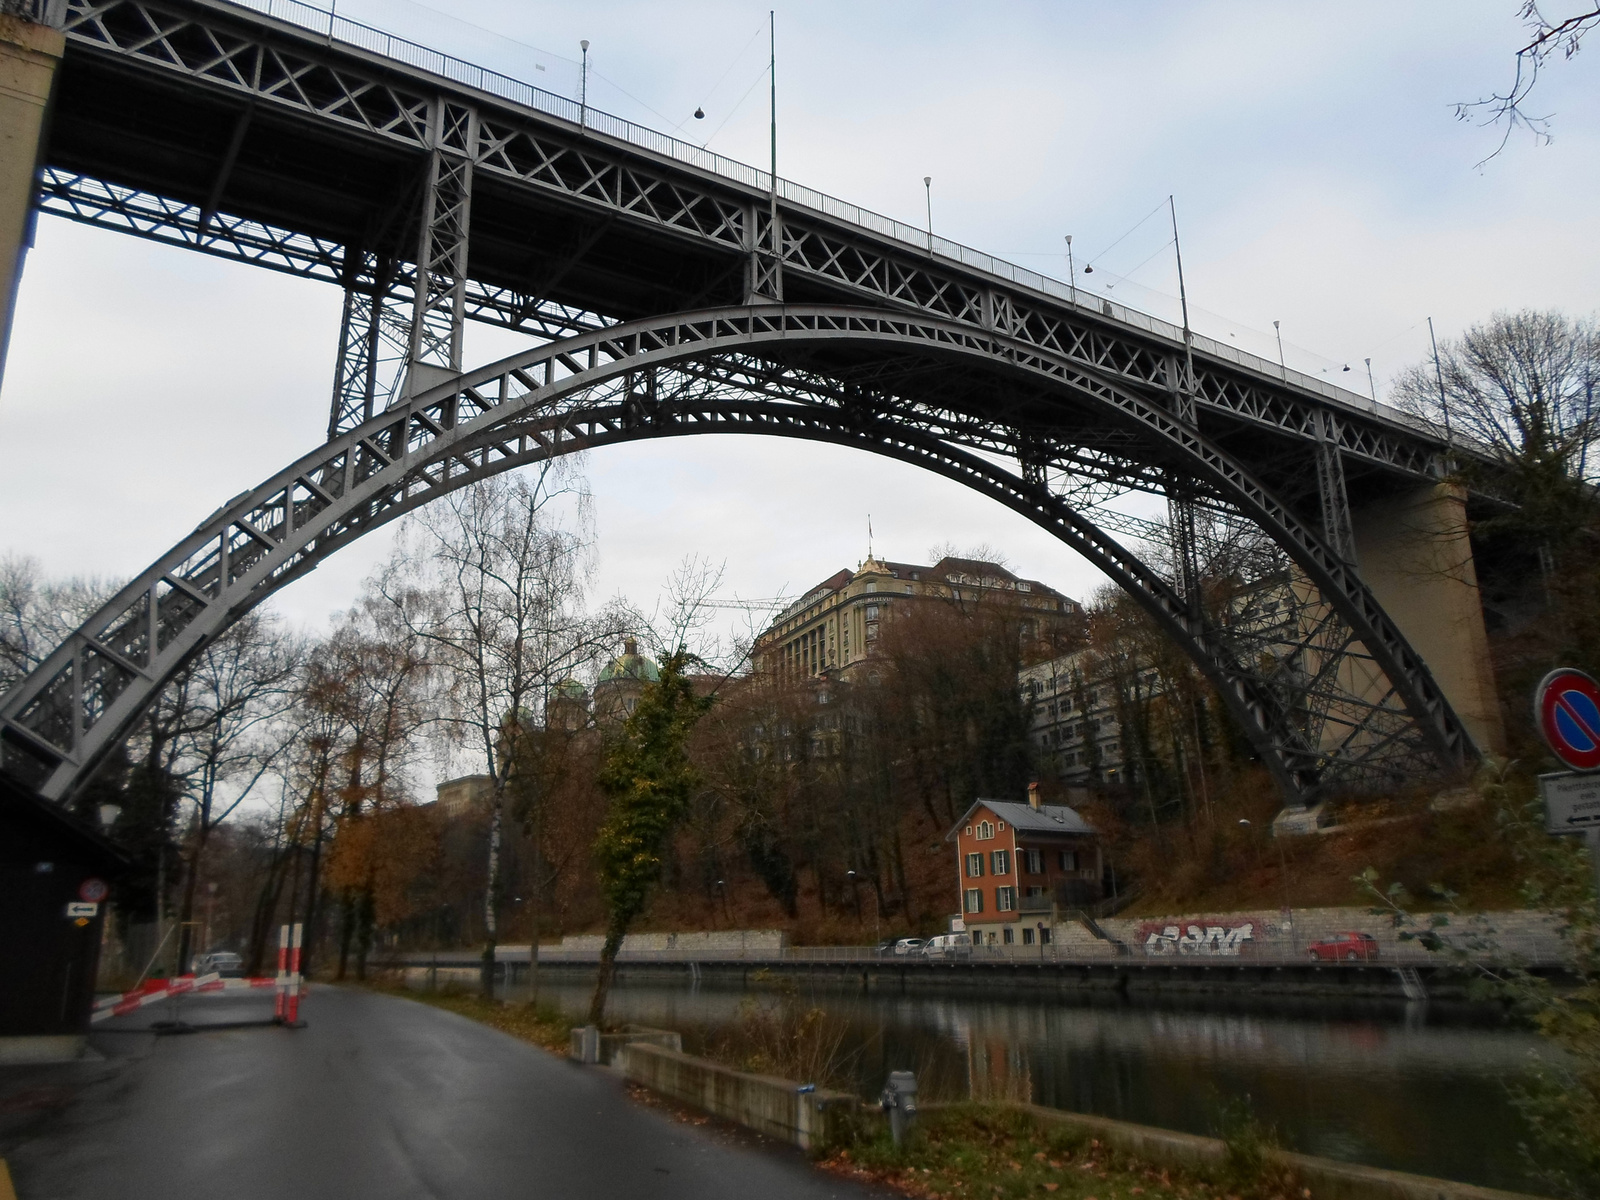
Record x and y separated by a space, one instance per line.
29 55
1415 555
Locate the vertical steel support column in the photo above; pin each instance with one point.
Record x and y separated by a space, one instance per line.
439 308
1336 523
763 272
374 341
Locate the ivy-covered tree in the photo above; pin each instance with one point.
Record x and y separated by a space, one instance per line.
649 780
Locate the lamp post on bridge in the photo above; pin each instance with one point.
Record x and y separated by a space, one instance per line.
583 87
927 188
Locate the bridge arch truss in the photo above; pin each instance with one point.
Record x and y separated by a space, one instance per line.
1327 689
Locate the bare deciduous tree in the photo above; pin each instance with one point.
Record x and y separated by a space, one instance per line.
494 579
1522 384
1548 38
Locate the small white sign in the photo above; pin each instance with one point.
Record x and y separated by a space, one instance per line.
1571 801
82 908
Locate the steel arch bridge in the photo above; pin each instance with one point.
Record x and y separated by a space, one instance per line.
434 192
856 377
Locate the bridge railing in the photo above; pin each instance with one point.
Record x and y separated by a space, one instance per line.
376 41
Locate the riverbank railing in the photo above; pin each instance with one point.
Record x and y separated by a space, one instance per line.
1541 952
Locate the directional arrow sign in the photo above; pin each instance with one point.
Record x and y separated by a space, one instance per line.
1571 802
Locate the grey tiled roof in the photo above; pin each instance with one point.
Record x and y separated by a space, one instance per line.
1049 818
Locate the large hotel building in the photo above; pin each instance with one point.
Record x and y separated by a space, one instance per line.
833 627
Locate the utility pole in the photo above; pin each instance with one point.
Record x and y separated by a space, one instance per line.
1072 275
1282 365
1438 375
774 240
1372 384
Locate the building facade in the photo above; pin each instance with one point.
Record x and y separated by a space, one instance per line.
834 628
1019 867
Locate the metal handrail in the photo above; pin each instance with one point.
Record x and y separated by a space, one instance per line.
1525 951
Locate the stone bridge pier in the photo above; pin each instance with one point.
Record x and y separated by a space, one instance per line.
29 55
1415 554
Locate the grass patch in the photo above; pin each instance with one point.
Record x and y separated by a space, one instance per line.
543 1025
989 1151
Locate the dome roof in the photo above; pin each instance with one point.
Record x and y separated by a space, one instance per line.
569 689
630 664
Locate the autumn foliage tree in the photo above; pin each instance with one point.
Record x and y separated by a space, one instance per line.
649 780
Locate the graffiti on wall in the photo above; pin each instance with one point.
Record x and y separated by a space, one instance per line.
1206 937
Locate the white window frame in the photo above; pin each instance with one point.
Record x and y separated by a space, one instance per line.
985 830
975 865
1005 899
974 900
1000 862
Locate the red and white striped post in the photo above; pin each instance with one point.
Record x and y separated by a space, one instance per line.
280 1003
294 975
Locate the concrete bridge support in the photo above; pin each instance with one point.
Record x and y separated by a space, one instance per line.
29 55
1415 554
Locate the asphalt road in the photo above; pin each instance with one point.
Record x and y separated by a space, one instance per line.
378 1097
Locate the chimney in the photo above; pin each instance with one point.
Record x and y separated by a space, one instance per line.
1033 796
630 647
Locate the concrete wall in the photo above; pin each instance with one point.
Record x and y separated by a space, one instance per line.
776 1107
1414 552
1530 935
29 54
726 941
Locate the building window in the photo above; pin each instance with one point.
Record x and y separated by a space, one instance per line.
1034 893
1000 862
1008 935
974 900
871 587
1027 936
1044 935
908 589
1005 899
974 866
1034 861
1069 860
985 830
872 612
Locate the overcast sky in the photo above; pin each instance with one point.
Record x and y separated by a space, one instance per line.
1320 176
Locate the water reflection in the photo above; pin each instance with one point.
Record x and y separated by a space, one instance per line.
1413 1087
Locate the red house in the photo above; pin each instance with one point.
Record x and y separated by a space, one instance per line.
1020 865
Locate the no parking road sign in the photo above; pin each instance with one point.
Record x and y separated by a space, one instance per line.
1566 706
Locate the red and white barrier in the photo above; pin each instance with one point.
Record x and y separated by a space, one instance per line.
288 985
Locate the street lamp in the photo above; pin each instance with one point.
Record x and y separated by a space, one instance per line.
927 188
583 93
1282 366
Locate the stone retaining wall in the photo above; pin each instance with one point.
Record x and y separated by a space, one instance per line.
712 942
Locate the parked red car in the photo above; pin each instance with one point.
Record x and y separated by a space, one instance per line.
1346 946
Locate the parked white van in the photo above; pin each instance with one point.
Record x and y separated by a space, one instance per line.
949 945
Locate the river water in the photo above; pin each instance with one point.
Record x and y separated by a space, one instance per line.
1418 1087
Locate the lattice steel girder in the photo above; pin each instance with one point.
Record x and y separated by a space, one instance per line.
85 697
341 89
92 201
